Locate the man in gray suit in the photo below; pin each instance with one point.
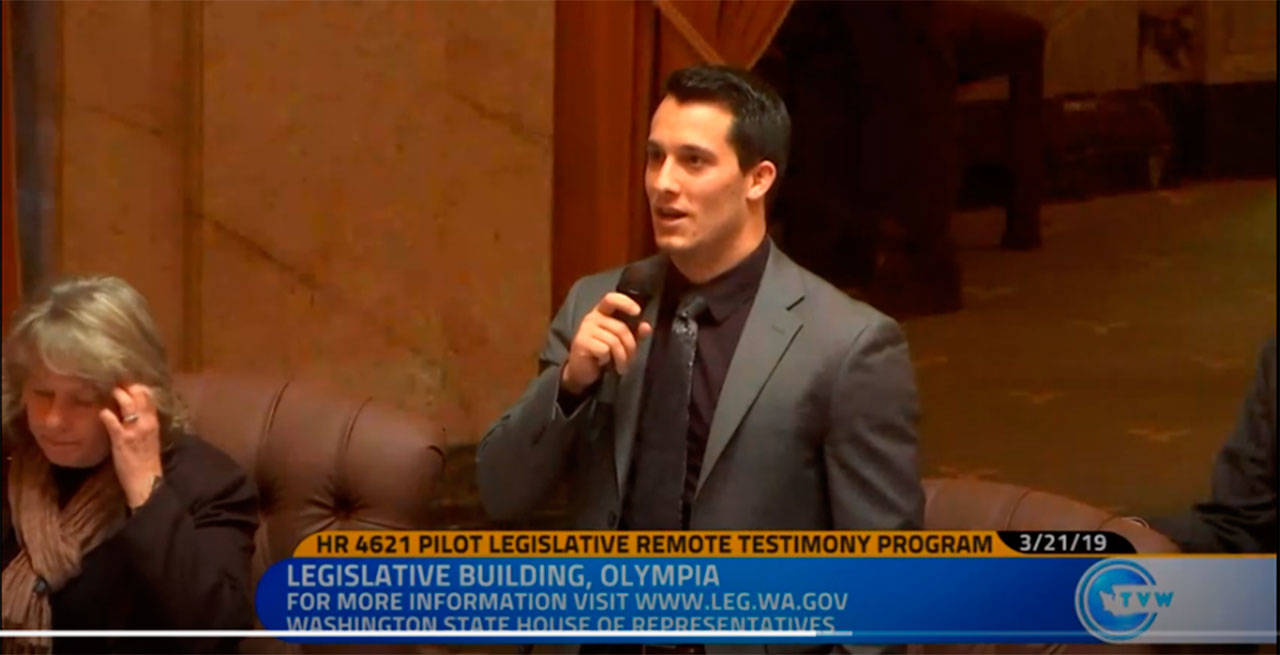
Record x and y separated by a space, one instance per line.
750 395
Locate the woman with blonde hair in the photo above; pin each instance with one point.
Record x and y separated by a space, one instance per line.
116 516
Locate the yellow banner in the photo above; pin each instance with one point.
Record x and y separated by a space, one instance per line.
601 543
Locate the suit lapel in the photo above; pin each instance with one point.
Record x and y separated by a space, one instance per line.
767 334
627 403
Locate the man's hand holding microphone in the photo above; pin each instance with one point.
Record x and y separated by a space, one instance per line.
603 337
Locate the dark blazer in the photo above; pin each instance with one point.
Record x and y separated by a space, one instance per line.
815 426
181 562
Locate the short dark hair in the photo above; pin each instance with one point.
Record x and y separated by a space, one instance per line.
761 127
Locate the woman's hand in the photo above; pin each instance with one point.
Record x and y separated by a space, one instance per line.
135 442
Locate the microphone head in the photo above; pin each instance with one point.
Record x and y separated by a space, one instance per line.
636 283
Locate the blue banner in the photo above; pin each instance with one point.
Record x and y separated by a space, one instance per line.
1172 599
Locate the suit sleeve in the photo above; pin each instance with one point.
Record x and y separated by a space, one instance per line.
1240 515
193 550
871 460
525 452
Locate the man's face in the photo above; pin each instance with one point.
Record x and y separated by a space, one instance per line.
62 413
697 192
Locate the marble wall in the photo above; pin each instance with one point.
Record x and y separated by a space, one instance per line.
356 192
121 168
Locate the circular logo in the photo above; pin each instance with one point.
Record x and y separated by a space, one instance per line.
1105 604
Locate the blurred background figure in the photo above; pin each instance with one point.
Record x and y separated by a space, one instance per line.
1240 515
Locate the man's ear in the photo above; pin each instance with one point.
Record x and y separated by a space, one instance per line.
760 179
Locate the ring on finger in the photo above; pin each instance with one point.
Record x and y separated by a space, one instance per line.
129 418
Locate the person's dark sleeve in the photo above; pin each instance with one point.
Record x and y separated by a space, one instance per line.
524 453
192 543
1240 516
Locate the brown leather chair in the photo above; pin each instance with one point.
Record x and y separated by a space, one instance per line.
954 504
321 460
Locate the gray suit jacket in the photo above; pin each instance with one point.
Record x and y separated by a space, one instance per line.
814 427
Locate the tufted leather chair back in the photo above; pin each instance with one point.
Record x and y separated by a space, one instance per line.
321 460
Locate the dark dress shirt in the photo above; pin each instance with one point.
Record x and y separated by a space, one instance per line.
729 297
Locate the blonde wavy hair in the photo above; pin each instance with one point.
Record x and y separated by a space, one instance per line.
97 328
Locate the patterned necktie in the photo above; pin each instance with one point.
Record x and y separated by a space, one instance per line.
660 472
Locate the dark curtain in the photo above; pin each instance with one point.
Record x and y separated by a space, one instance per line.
12 293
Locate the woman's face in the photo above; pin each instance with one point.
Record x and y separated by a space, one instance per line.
62 412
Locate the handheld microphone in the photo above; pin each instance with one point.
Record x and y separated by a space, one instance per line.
636 283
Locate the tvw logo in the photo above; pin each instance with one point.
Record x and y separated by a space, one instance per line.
1117 600
1125 600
